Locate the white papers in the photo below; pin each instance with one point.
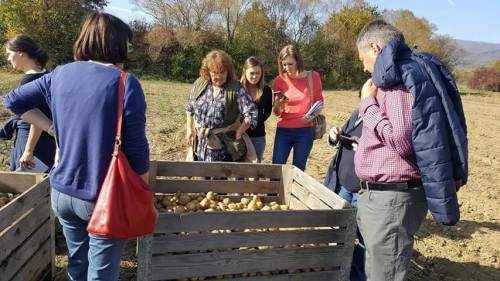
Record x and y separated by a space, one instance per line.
39 167
316 107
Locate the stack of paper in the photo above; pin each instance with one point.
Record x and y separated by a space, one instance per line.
315 108
38 167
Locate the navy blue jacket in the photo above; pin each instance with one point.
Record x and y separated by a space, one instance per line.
439 134
341 169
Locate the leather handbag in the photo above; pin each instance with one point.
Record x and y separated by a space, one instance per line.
124 207
319 122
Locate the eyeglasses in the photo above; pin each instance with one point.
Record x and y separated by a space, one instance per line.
288 64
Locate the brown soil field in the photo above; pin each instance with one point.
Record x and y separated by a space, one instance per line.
468 251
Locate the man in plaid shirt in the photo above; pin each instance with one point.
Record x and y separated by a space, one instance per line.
392 202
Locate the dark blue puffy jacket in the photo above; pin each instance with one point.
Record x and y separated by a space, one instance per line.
439 131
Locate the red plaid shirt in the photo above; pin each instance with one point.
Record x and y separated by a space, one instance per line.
385 152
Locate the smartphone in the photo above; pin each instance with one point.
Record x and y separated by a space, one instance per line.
280 95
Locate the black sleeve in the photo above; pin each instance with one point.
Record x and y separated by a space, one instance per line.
267 99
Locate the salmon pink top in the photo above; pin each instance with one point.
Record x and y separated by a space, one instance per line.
299 99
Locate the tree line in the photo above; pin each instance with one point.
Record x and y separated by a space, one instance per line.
173 44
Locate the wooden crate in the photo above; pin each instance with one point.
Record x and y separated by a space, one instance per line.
26 228
169 254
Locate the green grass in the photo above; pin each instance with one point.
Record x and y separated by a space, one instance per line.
8 80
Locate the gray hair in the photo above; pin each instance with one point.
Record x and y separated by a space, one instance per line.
379 32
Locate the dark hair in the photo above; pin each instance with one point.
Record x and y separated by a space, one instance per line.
378 31
103 37
290 51
23 43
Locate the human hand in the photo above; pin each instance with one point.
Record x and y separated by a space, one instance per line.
26 160
51 130
190 137
238 135
369 89
335 134
354 146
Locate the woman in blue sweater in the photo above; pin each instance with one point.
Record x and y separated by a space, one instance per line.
83 99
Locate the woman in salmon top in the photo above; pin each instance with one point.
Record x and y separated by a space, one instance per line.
292 101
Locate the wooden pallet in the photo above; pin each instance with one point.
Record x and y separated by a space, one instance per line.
170 254
27 246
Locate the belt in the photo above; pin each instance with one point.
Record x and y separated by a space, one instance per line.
394 186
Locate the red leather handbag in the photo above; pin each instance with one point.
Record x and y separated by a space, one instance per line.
124 207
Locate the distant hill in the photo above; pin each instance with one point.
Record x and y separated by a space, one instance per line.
478 53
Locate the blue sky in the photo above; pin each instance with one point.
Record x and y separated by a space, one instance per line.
476 20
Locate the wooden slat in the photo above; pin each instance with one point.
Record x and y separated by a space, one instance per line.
217 169
309 276
308 198
32 198
153 172
144 257
295 204
285 182
200 242
169 223
219 186
320 191
16 234
17 182
21 255
52 244
219 263
37 266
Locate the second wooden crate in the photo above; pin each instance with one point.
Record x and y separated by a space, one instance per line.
26 228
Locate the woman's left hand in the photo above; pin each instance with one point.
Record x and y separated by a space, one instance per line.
26 160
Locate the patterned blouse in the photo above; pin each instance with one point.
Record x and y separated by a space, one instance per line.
208 112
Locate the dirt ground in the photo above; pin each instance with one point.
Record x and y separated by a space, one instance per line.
469 251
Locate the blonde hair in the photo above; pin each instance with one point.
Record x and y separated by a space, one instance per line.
292 51
253 62
216 61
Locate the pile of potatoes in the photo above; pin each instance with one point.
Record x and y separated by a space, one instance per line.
5 198
211 202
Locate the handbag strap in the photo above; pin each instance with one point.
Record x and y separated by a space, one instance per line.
121 94
311 85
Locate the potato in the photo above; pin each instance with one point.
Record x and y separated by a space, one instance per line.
252 206
266 208
210 195
226 201
179 209
205 203
259 205
192 206
284 207
184 199
245 201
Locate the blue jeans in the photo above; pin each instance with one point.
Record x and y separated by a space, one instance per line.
90 257
358 256
300 139
260 145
